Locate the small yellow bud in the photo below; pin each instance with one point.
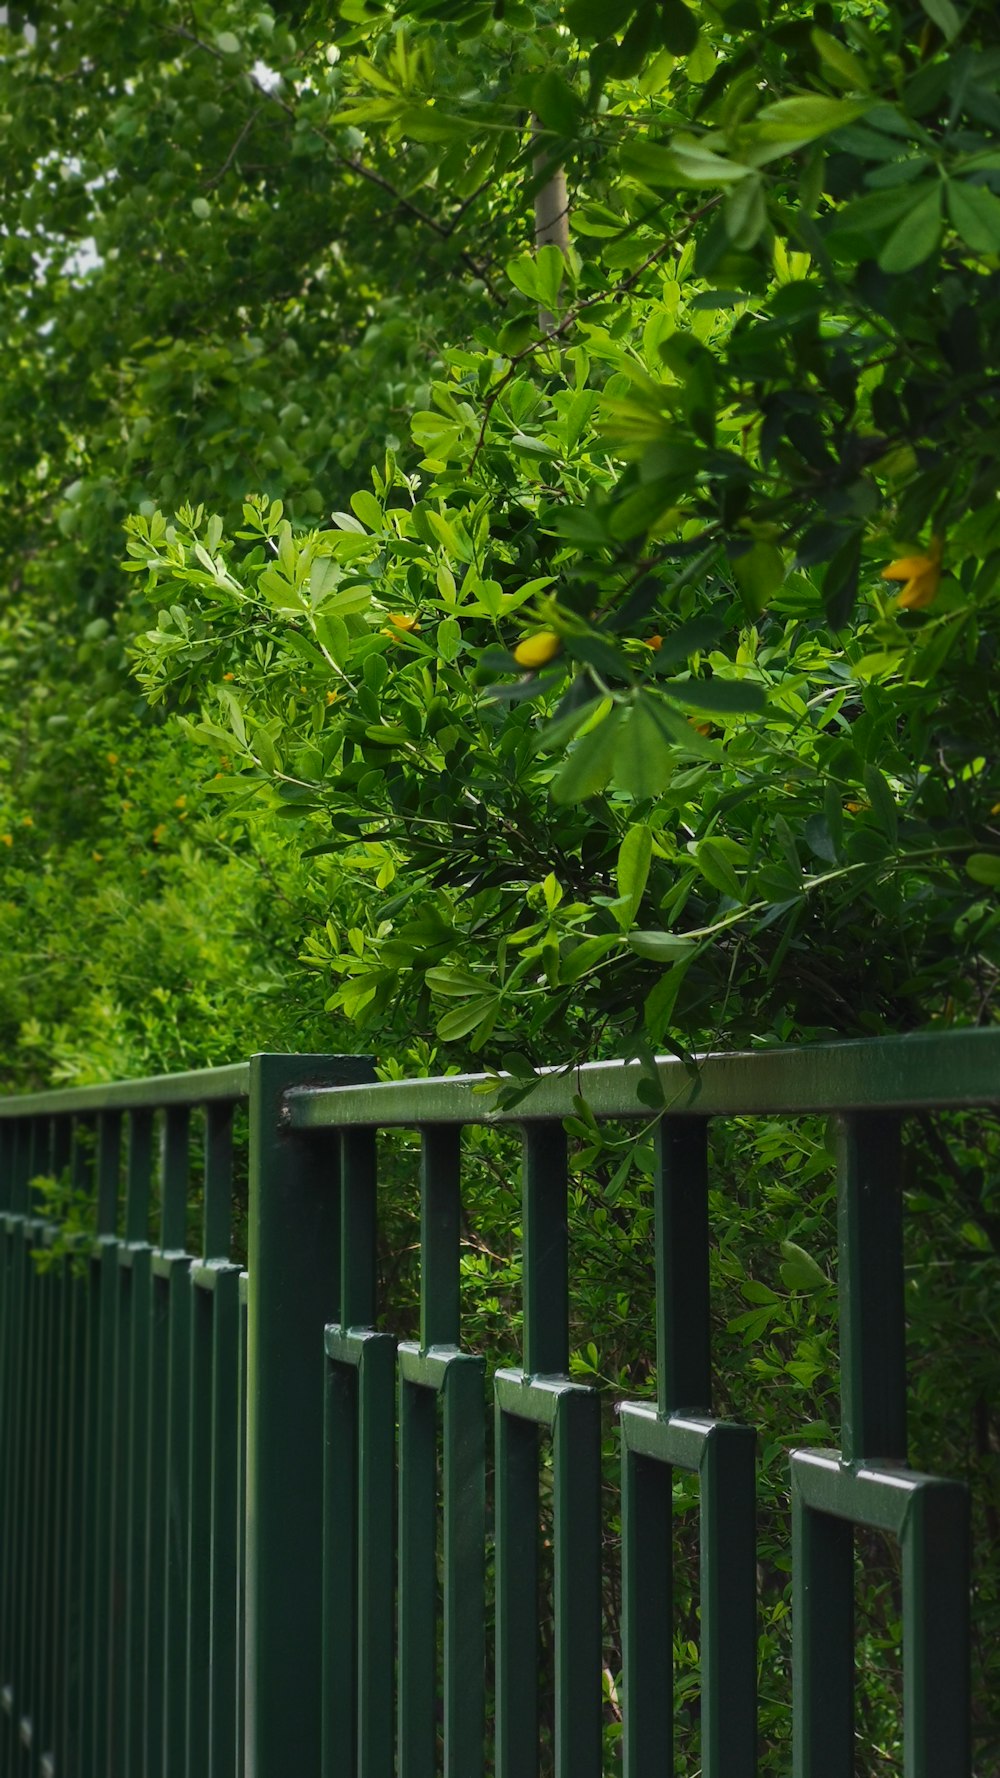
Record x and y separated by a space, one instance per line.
536 650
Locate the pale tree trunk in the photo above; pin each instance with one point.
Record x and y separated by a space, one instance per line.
551 212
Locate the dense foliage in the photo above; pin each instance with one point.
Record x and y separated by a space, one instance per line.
525 654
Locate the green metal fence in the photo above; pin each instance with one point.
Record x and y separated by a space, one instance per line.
227 1498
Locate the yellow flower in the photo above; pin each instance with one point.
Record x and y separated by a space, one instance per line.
536 650
403 620
922 575
655 643
7 838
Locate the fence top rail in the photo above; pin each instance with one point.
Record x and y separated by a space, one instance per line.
919 1072
202 1086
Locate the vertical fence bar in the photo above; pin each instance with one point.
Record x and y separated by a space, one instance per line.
417 1582
936 1702
729 1604
870 1288
440 1223
464 1466
822 1643
340 1517
40 1580
577 1582
516 1511
226 1656
292 1235
103 1282
26 1704
8 1139
545 1262
137 1255
212 1486
59 1152
75 1405
647 1612
242 1397
177 1263
376 1403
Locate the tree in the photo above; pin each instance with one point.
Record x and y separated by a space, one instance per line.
519 692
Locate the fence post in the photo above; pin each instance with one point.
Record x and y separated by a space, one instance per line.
292 1263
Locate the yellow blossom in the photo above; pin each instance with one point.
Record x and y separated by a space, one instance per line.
922 575
331 697
7 838
112 759
655 643
180 802
536 650
27 821
158 832
403 620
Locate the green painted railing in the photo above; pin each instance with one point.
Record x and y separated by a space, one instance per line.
226 1498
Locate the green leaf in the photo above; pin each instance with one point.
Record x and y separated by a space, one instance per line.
917 236
550 269
882 801
800 1271
570 716
588 765
660 947
659 1003
643 757
555 102
946 16
847 68
718 696
584 955
975 212
686 163
805 119
745 213
449 639
687 639
678 27
464 1019
819 839
984 867
450 979
367 509
715 861
758 573
635 855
